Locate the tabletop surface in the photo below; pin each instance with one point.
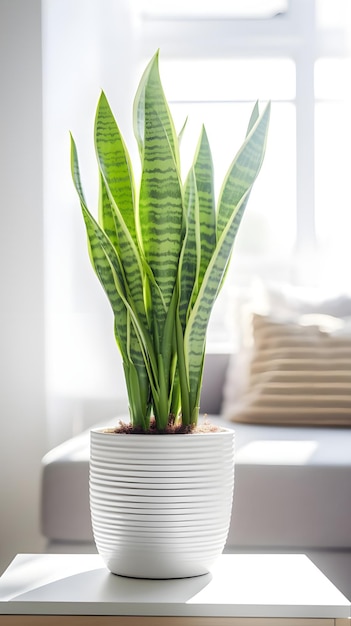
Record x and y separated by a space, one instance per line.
246 585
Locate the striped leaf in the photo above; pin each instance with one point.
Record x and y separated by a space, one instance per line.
203 168
117 215
248 163
127 253
100 248
200 239
161 225
135 358
244 169
149 95
161 218
253 118
189 266
131 336
160 214
195 333
114 163
106 214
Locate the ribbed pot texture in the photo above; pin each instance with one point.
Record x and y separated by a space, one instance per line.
161 504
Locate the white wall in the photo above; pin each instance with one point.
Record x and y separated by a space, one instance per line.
87 46
51 65
22 402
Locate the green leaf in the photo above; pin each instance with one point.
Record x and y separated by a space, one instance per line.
200 239
189 266
114 164
181 132
203 168
195 333
160 223
233 200
131 336
107 219
161 214
244 169
253 118
138 389
97 252
149 95
117 213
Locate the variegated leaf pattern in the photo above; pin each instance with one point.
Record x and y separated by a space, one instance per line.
195 334
106 214
127 253
244 170
203 168
118 213
239 180
189 265
114 163
150 95
128 332
200 240
253 118
161 227
161 215
136 360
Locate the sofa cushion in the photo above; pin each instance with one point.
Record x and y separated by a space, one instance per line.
292 487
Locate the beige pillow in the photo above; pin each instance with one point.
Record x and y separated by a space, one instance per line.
298 374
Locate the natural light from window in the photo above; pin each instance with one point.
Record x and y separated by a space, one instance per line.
220 94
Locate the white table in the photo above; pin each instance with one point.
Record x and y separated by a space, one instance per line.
242 589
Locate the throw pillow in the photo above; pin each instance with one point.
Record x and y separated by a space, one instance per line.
299 374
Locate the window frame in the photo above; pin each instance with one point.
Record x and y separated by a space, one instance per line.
292 34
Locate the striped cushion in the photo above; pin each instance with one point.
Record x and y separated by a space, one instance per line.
299 374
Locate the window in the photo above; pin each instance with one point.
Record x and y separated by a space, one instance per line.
333 159
221 93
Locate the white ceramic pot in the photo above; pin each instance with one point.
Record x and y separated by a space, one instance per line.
161 504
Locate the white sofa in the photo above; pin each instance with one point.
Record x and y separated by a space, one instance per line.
292 488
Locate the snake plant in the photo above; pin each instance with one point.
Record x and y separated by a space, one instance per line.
161 249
